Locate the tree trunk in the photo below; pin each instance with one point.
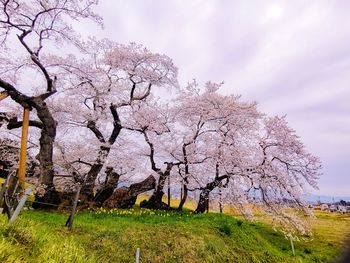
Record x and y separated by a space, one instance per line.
155 201
185 180
89 183
112 178
107 190
47 138
203 202
126 197
184 197
95 169
169 192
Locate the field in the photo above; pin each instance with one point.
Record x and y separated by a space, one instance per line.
113 236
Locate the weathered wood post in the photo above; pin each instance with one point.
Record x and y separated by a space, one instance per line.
23 149
69 222
3 191
292 245
20 205
3 95
137 255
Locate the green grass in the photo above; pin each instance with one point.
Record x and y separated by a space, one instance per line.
162 237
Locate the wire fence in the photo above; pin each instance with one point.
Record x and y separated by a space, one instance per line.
50 204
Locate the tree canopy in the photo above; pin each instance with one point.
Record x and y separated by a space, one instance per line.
103 109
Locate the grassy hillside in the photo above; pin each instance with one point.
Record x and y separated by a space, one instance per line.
162 237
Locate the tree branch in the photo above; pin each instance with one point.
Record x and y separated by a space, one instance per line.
14 124
92 126
116 124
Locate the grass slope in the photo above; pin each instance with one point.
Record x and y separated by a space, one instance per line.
162 237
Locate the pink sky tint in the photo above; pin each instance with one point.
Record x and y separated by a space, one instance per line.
292 57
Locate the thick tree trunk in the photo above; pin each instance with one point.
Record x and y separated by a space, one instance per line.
88 186
185 179
112 178
126 197
155 201
107 190
47 138
95 169
158 193
203 202
46 141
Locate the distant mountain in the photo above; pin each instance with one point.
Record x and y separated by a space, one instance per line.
314 198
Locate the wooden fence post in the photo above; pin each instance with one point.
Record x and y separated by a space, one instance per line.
69 222
291 243
20 205
137 255
3 191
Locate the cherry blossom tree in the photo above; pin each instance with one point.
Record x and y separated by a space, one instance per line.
152 121
29 32
273 170
104 88
109 116
281 173
203 116
227 144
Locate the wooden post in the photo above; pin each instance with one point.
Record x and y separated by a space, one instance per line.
137 255
3 191
20 205
3 95
169 191
69 222
23 150
291 243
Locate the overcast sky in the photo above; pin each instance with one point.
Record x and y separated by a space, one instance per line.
292 57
